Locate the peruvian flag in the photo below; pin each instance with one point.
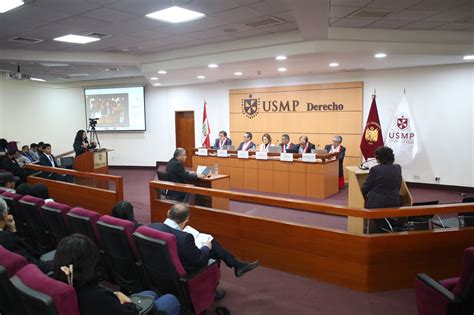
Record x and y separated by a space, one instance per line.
206 129
372 135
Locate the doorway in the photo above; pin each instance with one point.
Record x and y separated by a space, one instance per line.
184 124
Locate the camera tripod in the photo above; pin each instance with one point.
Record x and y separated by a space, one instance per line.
93 133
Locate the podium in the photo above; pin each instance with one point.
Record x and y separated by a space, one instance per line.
92 162
357 200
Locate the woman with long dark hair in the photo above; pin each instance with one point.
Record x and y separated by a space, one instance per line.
81 144
75 263
124 210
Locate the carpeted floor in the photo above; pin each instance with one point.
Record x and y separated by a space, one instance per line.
267 291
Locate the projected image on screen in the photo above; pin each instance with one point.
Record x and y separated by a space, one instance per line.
112 110
117 109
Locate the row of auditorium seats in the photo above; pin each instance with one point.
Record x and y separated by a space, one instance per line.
138 258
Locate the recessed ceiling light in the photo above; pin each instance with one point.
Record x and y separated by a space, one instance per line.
213 65
201 77
282 69
7 5
380 55
175 15
238 73
77 39
162 72
281 57
156 84
47 64
468 57
334 64
37 79
153 78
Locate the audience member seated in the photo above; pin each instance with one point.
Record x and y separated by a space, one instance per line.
40 190
34 152
47 159
192 257
222 141
247 144
78 256
8 181
177 174
10 164
21 159
3 147
336 147
24 189
25 151
14 243
40 149
124 210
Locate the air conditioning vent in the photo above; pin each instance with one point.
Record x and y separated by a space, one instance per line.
264 22
370 14
25 40
98 35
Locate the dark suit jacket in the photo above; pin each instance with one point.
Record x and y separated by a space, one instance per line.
342 154
14 243
192 258
93 300
79 149
177 174
382 186
44 160
310 147
217 143
11 165
293 148
251 146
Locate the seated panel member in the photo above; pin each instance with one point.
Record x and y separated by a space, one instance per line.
305 146
336 147
192 258
177 174
222 141
286 145
267 143
247 145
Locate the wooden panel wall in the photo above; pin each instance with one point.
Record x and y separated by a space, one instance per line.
319 126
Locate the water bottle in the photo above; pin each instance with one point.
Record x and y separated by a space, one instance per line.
216 170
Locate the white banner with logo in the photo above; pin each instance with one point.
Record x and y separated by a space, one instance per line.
402 136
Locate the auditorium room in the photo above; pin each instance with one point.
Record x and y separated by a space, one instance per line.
293 157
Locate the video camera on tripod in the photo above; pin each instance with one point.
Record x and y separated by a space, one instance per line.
93 122
92 132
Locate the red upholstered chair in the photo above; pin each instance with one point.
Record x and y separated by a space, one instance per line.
84 221
119 247
21 224
453 296
42 295
159 255
10 263
29 207
54 215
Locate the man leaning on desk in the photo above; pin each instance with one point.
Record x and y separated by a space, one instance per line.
222 141
177 174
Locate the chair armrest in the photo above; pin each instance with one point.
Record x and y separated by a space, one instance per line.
435 285
190 276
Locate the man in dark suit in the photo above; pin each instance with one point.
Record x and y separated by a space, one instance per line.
247 145
47 159
177 174
10 164
305 146
13 243
336 147
286 146
193 258
222 140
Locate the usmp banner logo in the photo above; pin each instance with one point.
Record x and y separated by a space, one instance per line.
250 106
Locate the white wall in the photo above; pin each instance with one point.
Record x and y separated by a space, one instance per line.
441 99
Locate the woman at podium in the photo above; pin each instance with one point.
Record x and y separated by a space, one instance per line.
81 144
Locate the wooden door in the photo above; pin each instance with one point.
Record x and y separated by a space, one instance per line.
184 124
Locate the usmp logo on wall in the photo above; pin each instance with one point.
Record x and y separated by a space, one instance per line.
250 106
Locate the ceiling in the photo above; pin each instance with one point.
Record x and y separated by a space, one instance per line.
237 34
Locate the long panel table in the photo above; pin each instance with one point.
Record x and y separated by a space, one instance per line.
307 179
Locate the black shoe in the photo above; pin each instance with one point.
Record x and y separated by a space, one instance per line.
220 293
239 272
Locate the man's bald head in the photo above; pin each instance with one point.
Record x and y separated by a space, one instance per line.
178 213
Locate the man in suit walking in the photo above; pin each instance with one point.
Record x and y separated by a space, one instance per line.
193 258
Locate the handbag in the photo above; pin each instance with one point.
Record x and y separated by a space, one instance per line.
144 303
